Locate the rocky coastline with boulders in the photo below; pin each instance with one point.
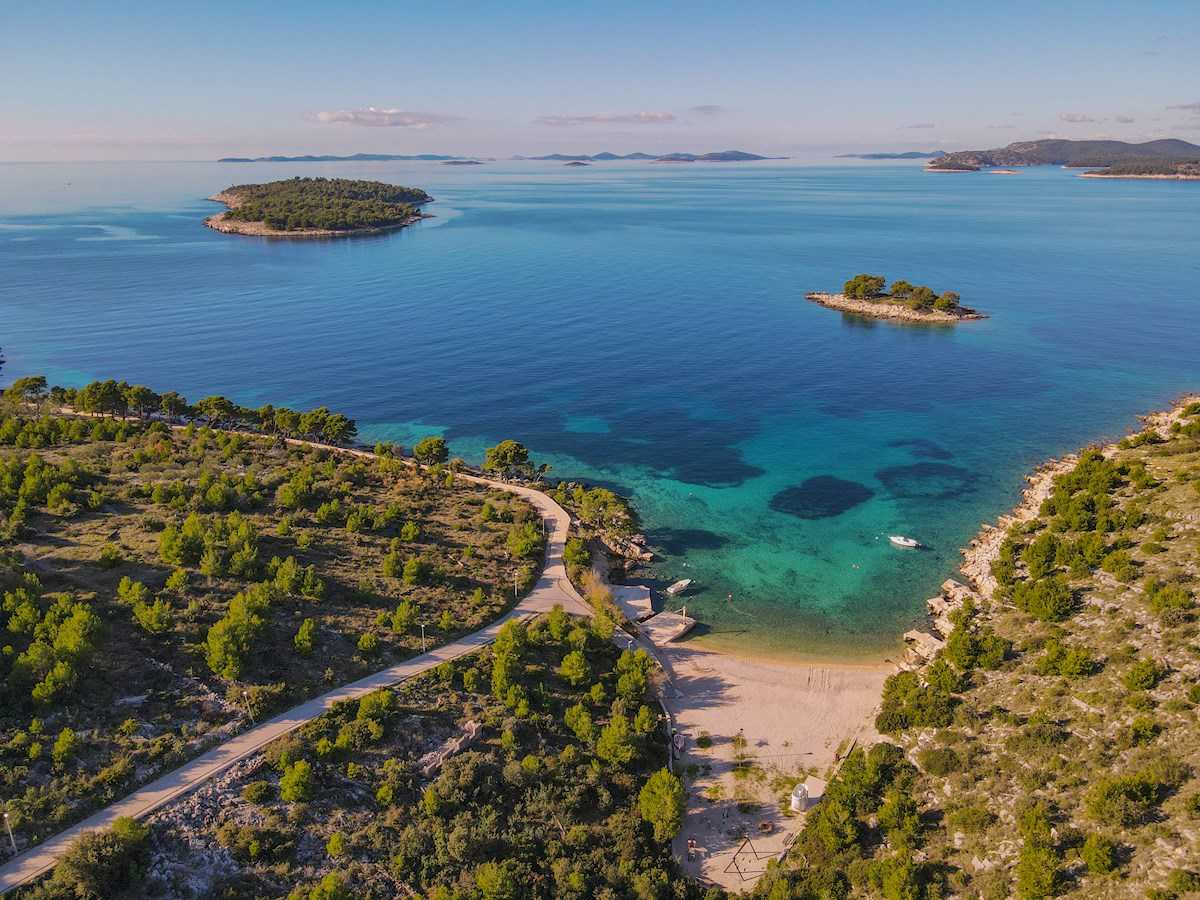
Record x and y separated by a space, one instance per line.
883 309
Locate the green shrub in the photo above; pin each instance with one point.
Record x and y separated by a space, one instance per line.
1144 675
258 792
970 820
297 783
101 863
1099 854
110 557
1049 599
939 761
1143 731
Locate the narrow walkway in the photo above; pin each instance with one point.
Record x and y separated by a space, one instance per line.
552 588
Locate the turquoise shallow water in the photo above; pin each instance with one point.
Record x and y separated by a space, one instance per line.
645 327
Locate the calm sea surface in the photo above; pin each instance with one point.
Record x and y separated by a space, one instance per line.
645 327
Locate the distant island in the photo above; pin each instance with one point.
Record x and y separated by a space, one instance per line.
864 295
723 156
1167 157
576 162
357 157
460 162
911 154
317 207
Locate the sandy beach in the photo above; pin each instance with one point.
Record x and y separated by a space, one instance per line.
794 720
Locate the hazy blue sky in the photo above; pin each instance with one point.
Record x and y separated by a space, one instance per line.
174 80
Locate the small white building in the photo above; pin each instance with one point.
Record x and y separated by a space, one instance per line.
800 798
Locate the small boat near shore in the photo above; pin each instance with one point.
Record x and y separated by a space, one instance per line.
901 541
679 587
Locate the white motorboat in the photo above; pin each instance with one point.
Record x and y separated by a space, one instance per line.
900 541
679 587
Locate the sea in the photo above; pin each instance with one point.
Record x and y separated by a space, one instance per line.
644 327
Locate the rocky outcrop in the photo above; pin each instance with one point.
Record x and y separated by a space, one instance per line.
896 311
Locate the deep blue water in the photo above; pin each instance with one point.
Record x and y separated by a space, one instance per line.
645 327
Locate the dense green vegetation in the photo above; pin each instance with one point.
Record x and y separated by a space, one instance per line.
1051 749
1135 167
919 297
159 583
333 204
497 776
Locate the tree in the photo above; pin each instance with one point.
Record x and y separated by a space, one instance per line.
576 556
574 668
142 400
948 302
900 289
340 430
404 617
579 720
431 450
306 638
662 802
864 287
1049 599
101 864
297 783
525 541
1100 854
921 297
558 621
337 845
156 618
1037 867
1144 675
496 882
507 457
605 510
331 887
614 744
287 422
173 405
28 390
64 748
1040 555
416 571
104 397
218 409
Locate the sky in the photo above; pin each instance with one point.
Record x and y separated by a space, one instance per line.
202 80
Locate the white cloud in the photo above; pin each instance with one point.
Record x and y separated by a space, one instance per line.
1194 106
707 109
918 125
999 126
1076 118
1125 120
370 117
637 118
1190 126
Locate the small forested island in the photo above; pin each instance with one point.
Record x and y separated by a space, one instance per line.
317 207
864 295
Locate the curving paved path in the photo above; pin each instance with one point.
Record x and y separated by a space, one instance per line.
552 588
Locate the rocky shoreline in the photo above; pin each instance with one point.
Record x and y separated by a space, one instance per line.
219 222
985 548
1145 177
878 310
